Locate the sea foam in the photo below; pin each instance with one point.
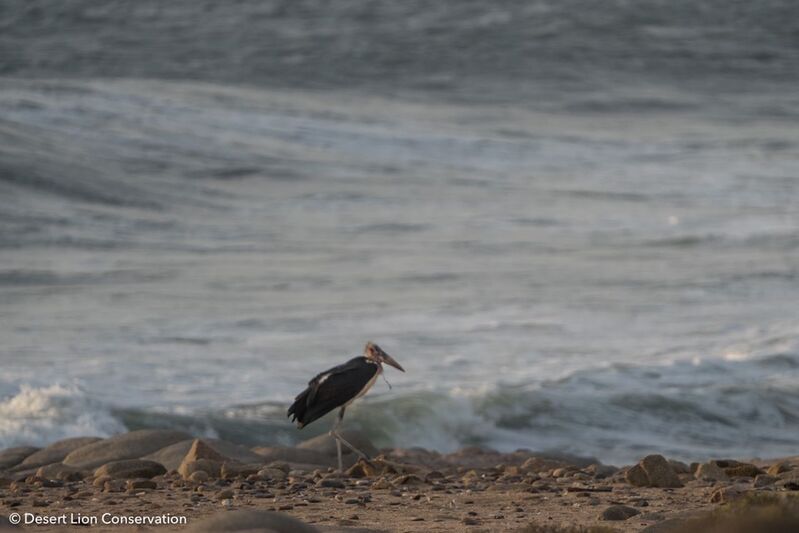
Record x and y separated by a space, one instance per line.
40 415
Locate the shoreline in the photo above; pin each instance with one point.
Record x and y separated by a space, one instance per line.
169 481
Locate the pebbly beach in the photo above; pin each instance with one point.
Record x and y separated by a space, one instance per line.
165 480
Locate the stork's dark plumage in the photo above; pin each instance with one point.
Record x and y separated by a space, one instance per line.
339 387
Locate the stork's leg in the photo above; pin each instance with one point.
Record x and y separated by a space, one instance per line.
338 451
341 440
334 434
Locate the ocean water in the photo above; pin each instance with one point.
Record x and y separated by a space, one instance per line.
577 229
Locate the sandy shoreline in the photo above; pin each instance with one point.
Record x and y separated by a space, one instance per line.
166 480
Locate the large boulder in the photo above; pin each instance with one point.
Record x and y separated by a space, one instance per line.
14 456
131 445
130 469
252 522
172 455
636 476
201 457
325 444
778 468
299 456
743 470
711 471
653 471
56 452
60 471
235 469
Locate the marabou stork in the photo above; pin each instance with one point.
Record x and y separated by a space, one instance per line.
339 387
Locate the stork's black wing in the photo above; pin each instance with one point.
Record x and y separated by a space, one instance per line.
332 388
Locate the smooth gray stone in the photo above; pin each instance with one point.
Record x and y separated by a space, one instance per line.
171 456
299 456
131 469
14 456
326 444
56 452
131 445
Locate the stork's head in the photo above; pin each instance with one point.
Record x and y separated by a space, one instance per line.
375 353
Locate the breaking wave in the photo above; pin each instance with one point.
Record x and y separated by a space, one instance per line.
39 416
690 410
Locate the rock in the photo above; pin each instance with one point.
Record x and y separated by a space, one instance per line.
764 480
210 467
47 483
201 457
778 468
433 475
201 450
226 494
19 475
743 470
56 452
564 471
567 459
365 468
331 483
114 485
679 467
14 456
660 472
618 512
407 479
728 494
636 476
382 484
711 471
653 471
470 477
305 468
234 469
302 456
325 444
141 484
788 481
789 475
130 469
199 476
541 464
736 468
60 471
272 474
251 521
172 455
131 445
280 465
600 471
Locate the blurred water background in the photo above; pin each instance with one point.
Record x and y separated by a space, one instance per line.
575 223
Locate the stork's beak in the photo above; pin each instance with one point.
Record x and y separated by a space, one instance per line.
387 359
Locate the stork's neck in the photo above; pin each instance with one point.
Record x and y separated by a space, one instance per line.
374 362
